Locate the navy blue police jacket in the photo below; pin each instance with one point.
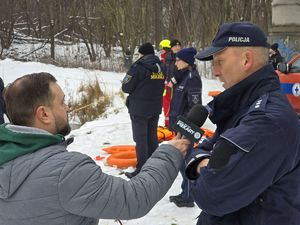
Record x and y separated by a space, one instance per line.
258 183
186 94
144 82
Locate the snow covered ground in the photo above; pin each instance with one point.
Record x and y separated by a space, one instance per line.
113 130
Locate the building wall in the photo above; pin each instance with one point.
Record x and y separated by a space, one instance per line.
285 29
286 12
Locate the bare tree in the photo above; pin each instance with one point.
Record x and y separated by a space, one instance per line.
125 23
8 19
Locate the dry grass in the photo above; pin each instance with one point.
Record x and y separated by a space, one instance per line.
91 104
122 95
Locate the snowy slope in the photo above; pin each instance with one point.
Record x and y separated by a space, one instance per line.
115 129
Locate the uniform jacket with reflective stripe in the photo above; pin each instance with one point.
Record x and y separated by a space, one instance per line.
259 185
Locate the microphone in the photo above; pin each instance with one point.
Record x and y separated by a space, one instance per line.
190 127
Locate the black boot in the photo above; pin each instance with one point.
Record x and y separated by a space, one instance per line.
174 197
181 202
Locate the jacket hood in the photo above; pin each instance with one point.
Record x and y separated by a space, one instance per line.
16 141
150 62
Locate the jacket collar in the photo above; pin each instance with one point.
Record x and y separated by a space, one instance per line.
243 94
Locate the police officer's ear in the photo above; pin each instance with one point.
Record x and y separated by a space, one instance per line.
248 59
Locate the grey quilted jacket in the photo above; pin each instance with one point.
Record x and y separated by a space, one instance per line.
57 187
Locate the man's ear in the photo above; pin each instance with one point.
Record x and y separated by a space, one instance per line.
43 114
248 57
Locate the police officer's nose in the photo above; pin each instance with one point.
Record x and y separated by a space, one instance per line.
216 71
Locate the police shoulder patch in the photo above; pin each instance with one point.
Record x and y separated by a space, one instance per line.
259 104
127 79
195 98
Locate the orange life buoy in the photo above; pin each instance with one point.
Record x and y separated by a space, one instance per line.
122 159
119 148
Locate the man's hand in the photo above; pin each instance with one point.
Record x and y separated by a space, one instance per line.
203 163
181 144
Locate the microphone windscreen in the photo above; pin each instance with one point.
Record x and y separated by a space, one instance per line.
197 115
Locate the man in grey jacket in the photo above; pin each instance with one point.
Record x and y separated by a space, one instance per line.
42 183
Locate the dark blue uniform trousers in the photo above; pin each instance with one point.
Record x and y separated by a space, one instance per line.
144 131
185 185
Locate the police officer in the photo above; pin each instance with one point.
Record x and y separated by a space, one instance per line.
188 87
186 94
251 175
144 82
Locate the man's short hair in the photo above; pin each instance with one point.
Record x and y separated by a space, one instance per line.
25 95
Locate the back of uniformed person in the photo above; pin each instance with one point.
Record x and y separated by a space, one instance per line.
251 175
186 94
144 82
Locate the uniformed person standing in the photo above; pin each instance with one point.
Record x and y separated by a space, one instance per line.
186 93
171 73
275 56
188 87
144 82
252 176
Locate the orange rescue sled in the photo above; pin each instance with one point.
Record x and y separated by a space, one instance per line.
164 134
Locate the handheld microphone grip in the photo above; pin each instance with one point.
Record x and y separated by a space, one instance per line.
190 127
188 130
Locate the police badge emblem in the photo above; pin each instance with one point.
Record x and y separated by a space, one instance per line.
126 79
